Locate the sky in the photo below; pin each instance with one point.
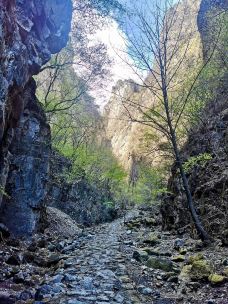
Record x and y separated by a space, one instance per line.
115 40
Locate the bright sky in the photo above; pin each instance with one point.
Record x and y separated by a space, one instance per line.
115 41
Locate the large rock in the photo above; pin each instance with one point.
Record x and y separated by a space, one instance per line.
30 31
61 224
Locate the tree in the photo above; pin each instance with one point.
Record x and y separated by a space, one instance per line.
161 42
65 83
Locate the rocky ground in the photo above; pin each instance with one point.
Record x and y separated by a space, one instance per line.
127 261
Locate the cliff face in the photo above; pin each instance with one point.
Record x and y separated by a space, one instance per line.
77 198
208 182
30 31
127 138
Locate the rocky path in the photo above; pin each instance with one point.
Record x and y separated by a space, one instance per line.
94 271
131 262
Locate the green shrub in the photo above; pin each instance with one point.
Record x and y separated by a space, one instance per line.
200 160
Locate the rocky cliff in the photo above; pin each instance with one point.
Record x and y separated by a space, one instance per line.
208 181
78 198
30 31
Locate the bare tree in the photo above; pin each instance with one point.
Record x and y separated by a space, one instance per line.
160 36
65 83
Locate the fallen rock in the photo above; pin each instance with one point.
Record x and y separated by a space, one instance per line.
61 224
178 258
178 244
196 257
14 260
160 263
216 279
47 261
199 270
152 239
150 221
140 255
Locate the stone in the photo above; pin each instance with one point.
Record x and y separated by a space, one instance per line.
28 257
199 270
182 251
145 290
151 239
149 221
42 292
216 279
178 244
178 258
225 271
26 295
140 255
6 298
225 262
69 277
160 263
19 277
14 260
194 258
57 278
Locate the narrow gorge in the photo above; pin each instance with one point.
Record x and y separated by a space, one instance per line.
126 202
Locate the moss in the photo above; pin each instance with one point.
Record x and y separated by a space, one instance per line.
183 251
160 263
151 239
140 255
216 279
225 272
197 271
201 269
195 258
185 273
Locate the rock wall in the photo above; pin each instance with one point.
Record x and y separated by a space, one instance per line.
209 9
208 182
30 31
77 198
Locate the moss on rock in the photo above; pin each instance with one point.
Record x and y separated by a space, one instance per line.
216 279
160 263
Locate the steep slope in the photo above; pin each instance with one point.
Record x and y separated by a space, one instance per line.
127 138
30 31
209 180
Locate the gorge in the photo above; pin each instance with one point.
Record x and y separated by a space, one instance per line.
92 206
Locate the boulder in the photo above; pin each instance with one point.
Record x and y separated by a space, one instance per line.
160 263
216 279
140 255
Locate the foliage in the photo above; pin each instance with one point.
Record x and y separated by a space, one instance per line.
98 166
200 160
150 185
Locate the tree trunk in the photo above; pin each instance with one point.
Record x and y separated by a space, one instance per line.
199 227
203 234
